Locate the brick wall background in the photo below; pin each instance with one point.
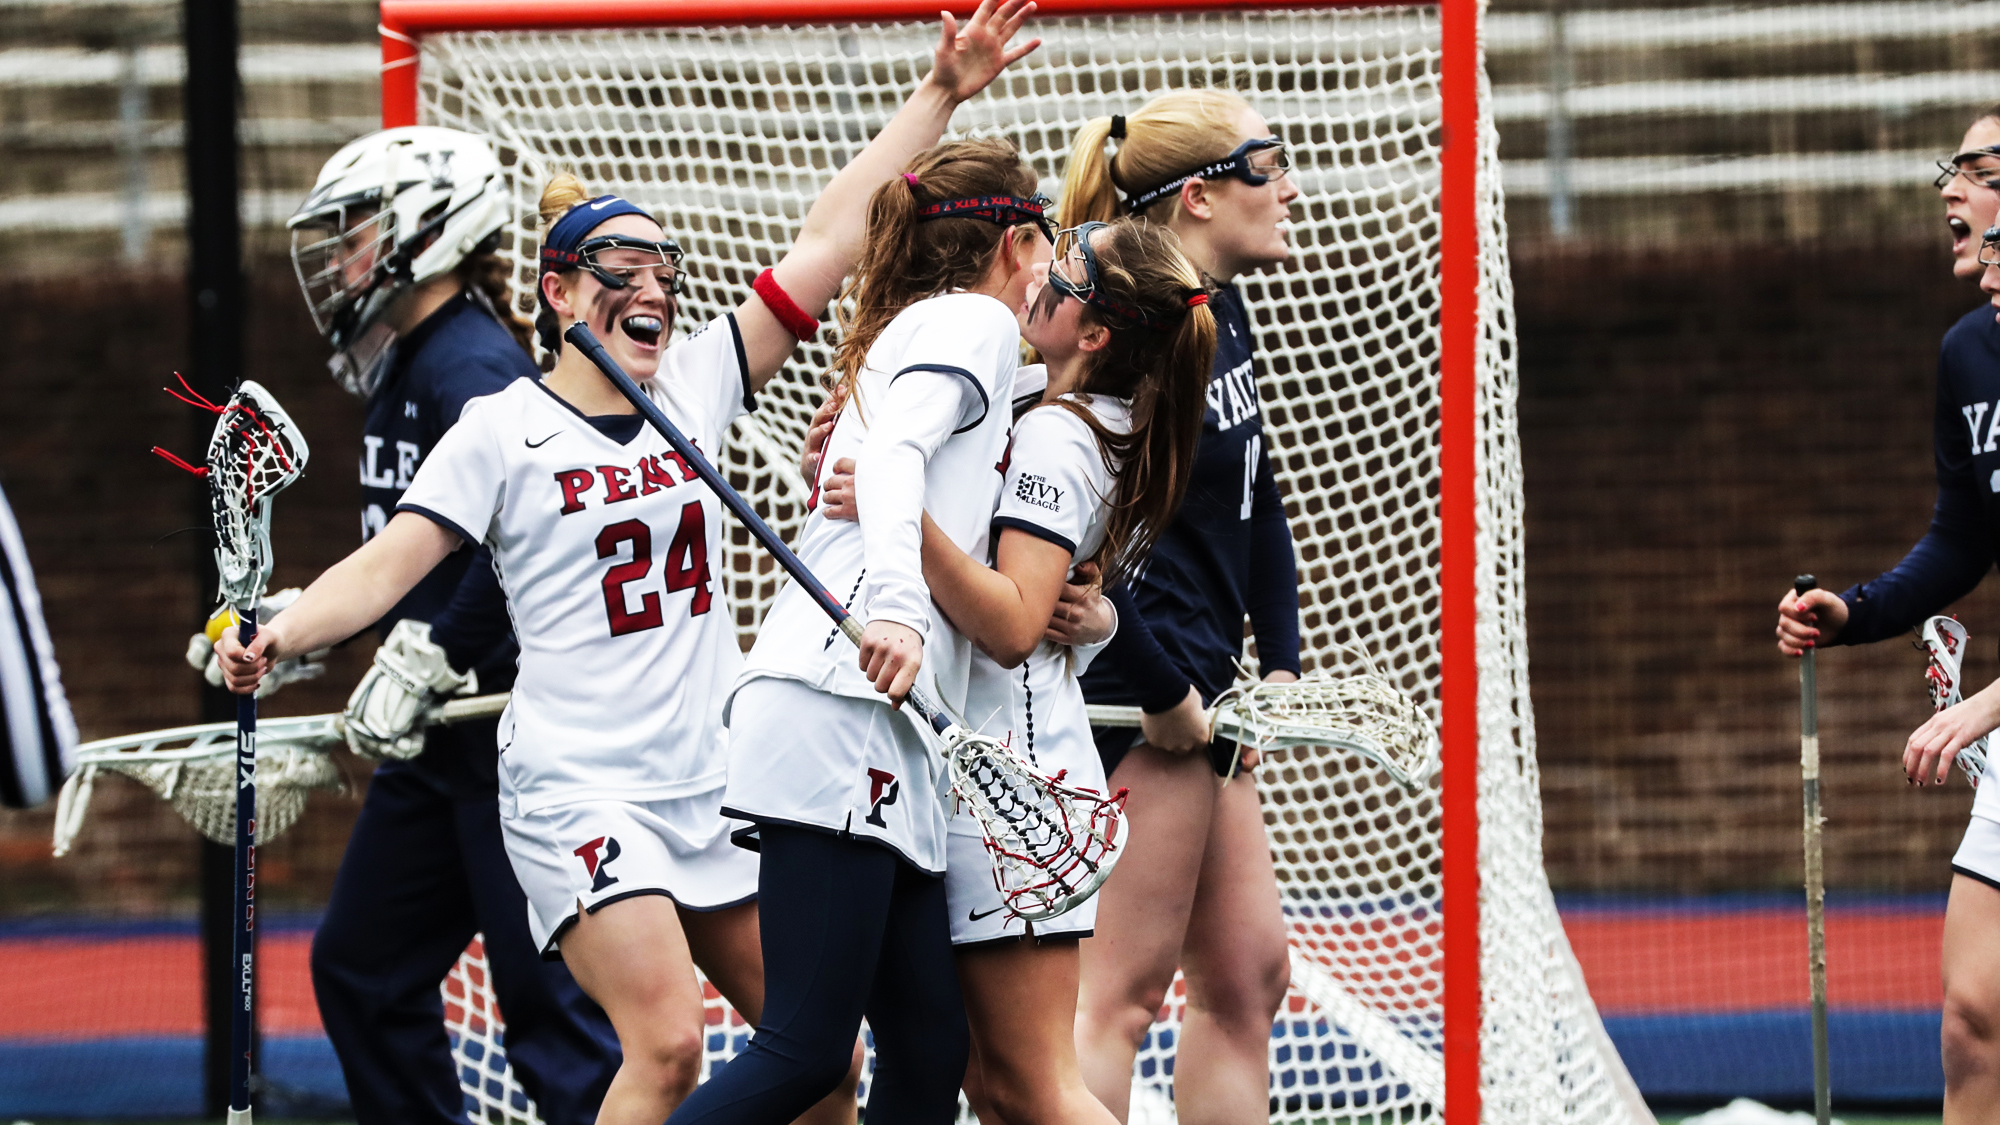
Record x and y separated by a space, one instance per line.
1698 427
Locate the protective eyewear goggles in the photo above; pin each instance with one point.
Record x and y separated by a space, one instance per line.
1256 162
1989 247
619 260
1001 210
1073 246
1967 164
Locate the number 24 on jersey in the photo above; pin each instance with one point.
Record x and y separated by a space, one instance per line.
686 569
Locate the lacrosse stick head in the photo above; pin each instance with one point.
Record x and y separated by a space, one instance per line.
1347 703
1944 642
1051 845
254 453
194 769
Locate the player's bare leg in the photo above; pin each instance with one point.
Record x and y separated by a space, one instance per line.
1142 914
1020 1002
1237 969
1971 1039
633 959
725 944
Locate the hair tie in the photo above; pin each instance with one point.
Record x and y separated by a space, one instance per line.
911 179
1117 127
1197 299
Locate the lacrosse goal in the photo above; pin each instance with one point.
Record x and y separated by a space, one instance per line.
1430 970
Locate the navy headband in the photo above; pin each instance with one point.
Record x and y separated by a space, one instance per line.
559 245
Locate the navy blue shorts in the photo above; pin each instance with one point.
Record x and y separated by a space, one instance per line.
1113 743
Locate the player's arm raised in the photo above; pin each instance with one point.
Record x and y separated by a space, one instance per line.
831 238
353 594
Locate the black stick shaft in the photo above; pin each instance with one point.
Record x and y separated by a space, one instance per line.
580 337
243 923
1815 870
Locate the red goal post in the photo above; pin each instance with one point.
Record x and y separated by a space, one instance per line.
404 24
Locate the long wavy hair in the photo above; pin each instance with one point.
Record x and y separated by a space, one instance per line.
906 261
1163 372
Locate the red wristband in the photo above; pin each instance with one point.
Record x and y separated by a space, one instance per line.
789 314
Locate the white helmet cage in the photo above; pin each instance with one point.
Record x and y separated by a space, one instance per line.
382 198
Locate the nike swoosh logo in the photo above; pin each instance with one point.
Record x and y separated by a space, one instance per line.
543 442
602 204
976 915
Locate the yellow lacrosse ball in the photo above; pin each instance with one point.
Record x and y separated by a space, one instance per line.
224 618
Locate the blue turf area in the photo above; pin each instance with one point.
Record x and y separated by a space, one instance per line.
1876 1057
157 1076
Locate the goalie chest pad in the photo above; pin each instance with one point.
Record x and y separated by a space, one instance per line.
609 549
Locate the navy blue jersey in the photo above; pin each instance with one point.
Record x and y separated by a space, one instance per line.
1960 547
1227 554
457 354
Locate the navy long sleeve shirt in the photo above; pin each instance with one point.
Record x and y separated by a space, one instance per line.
1959 548
1227 555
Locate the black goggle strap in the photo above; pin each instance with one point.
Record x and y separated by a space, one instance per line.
1092 291
1236 164
1000 210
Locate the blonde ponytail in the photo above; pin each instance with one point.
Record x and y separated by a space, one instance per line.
1088 194
1176 131
564 192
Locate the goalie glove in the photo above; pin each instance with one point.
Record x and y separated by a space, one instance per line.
411 677
201 647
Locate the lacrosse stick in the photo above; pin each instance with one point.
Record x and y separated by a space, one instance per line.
253 454
1944 642
1051 845
1815 868
1354 708
193 768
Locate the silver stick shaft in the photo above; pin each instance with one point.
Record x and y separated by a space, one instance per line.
1815 872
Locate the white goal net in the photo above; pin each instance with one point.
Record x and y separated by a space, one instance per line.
728 133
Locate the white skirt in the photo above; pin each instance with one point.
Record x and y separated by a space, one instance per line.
1979 854
586 855
808 758
978 915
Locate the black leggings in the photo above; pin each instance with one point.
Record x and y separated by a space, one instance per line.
849 929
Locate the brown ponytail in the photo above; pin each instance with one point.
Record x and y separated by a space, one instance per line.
904 260
1164 374
1178 130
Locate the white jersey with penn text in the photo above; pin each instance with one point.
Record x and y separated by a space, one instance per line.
927 427
608 548
1057 488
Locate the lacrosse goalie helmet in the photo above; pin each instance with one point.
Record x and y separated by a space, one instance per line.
390 211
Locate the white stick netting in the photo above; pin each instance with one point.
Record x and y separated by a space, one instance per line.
728 133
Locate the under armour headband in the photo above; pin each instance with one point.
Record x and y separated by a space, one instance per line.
1000 210
560 244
